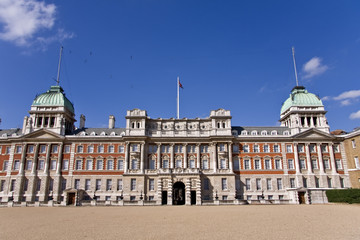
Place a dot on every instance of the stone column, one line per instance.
(158, 157)
(57, 179)
(47, 159)
(308, 160)
(34, 166)
(23, 157)
(59, 164)
(126, 163)
(198, 156)
(214, 155)
(172, 155)
(230, 157)
(296, 159)
(185, 155)
(332, 159)
(142, 157)
(321, 163)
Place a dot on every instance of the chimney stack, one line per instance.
(82, 121)
(111, 122)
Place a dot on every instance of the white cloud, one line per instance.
(345, 102)
(348, 94)
(21, 20)
(355, 115)
(326, 98)
(313, 68)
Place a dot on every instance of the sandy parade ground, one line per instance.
(182, 222)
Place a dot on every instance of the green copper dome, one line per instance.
(301, 97)
(54, 97)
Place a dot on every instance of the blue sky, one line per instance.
(125, 54)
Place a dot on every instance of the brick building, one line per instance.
(170, 161)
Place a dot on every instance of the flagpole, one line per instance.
(178, 98)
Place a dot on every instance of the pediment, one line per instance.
(314, 134)
(43, 134)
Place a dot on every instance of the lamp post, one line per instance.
(141, 196)
(216, 195)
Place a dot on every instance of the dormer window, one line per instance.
(254, 133)
(264, 133)
(244, 133)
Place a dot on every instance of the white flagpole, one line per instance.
(178, 98)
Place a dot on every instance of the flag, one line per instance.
(180, 85)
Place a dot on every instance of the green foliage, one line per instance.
(343, 195)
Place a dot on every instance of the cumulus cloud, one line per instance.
(22, 20)
(326, 98)
(348, 94)
(355, 115)
(345, 102)
(313, 68)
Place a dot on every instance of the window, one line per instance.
(221, 147)
(312, 148)
(65, 165)
(248, 197)
(302, 164)
(353, 143)
(63, 184)
(78, 165)
(165, 163)
(89, 164)
(38, 185)
(178, 163)
(281, 197)
(87, 184)
(266, 148)
(288, 148)
(12, 185)
(110, 164)
(305, 182)
(267, 164)
(317, 182)
(276, 148)
(247, 184)
(246, 148)
(55, 149)
(324, 148)
(329, 181)
(235, 148)
(192, 163)
(165, 148)
(108, 184)
(258, 184)
(256, 148)
(290, 163)
(67, 149)
(206, 184)
(42, 148)
(268, 184)
(41, 164)
(133, 184)
(53, 165)
(205, 164)
(342, 185)
(279, 183)
(222, 163)
(77, 184)
(119, 184)
(80, 149)
(247, 164)
(122, 149)
(30, 149)
(111, 149)
(7, 151)
(2, 185)
(98, 184)
(107, 198)
(6, 165)
(326, 164)
(204, 148)
(134, 163)
(18, 149)
(224, 184)
(132, 198)
(257, 164)
(292, 183)
(151, 184)
(152, 164)
(314, 164)
(300, 148)
(120, 164)
(100, 148)
(28, 165)
(16, 165)
(99, 165)
(26, 184)
(278, 164)
(237, 184)
(236, 164)
(356, 159)
(336, 148)
(191, 149)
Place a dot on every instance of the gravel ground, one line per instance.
(182, 222)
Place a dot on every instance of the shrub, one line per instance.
(343, 195)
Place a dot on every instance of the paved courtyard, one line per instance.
(182, 222)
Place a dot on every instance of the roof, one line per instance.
(55, 96)
(301, 97)
(100, 131)
(259, 130)
(9, 132)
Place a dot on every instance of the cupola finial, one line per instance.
(58, 74)
(296, 76)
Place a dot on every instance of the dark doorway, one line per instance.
(301, 197)
(179, 193)
(193, 197)
(71, 199)
(164, 198)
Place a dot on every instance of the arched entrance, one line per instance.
(179, 193)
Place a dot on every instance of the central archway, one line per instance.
(179, 193)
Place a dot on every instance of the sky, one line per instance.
(126, 54)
